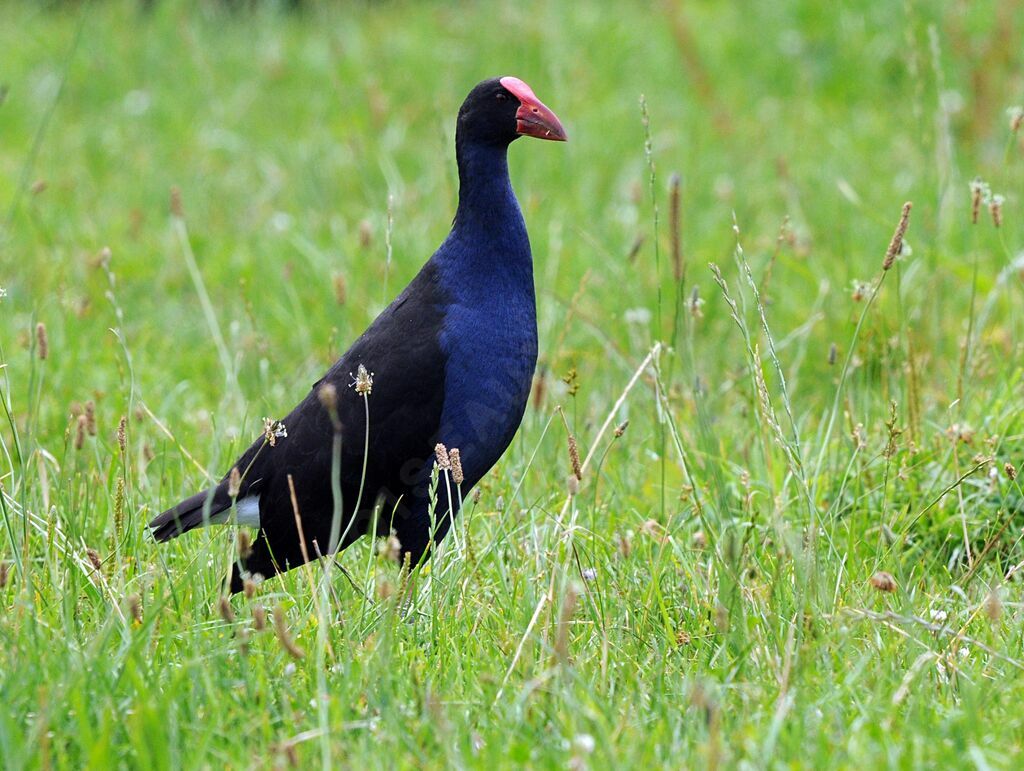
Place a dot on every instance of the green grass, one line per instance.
(728, 536)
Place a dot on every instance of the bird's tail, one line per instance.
(192, 512)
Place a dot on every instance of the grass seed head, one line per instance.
(234, 482)
(225, 610)
(456, 459)
(244, 543)
(896, 244)
(833, 353)
(80, 425)
(177, 210)
(574, 458)
(273, 430)
(283, 637)
(340, 288)
(135, 608)
(1011, 471)
(979, 193)
(94, 559)
(572, 484)
(884, 582)
(362, 381)
(90, 417)
(259, 617)
(42, 341)
(1016, 115)
(122, 433)
(5, 573)
(444, 462)
(621, 429)
(993, 604)
(995, 208)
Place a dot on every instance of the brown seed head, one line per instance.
(363, 381)
(896, 244)
(995, 207)
(226, 612)
(244, 543)
(621, 429)
(441, 454)
(234, 482)
(135, 608)
(340, 288)
(273, 430)
(993, 604)
(42, 341)
(281, 629)
(979, 190)
(1016, 118)
(38, 186)
(574, 458)
(259, 617)
(1011, 471)
(5, 568)
(572, 484)
(90, 417)
(176, 208)
(94, 559)
(122, 433)
(833, 352)
(456, 458)
(80, 432)
(884, 582)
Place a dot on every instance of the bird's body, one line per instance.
(452, 359)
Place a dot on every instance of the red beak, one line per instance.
(533, 118)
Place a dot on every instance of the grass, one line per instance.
(799, 419)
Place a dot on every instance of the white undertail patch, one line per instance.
(247, 512)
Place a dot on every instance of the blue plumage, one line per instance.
(452, 359)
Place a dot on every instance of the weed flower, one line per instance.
(42, 341)
(859, 290)
(589, 574)
(456, 458)
(884, 582)
(362, 381)
(274, 430)
(896, 244)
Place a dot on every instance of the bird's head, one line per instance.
(499, 110)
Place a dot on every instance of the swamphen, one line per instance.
(449, 361)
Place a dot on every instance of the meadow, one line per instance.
(798, 534)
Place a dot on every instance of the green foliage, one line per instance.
(805, 420)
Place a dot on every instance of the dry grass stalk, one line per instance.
(281, 630)
(896, 244)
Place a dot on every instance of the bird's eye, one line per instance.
(501, 96)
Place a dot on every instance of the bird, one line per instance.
(448, 364)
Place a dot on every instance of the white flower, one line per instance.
(363, 381)
(589, 574)
(273, 430)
